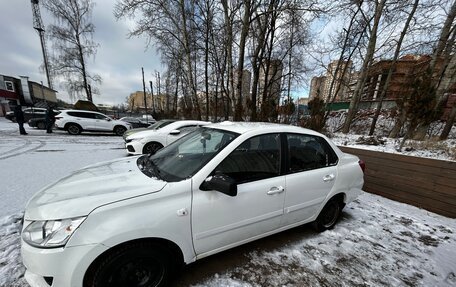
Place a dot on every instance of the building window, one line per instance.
(9, 86)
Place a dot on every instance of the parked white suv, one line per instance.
(76, 121)
(132, 221)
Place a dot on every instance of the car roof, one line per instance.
(85, 111)
(178, 124)
(244, 127)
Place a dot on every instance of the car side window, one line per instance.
(255, 159)
(100, 117)
(87, 115)
(187, 129)
(306, 152)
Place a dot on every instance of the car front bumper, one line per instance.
(61, 267)
(134, 147)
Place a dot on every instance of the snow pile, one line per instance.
(11, 268)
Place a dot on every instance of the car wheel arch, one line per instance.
(172, 247)
(152, 143)
(117, 127)
(71, 123)
(339, 199)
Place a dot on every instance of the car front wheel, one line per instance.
(133, 265)
(328, 216)
(74, 129)
(152, 148)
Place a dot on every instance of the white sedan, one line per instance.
(150, 141)
(133, 221)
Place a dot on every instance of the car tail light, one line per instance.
(362, 164)
(58, 118)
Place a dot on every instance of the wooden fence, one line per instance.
(422, 182)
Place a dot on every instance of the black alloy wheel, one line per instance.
(137, 265)
(74, 129)
(328, 216)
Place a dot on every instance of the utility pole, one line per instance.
(158, 87)
(39, 27)
(144, 90)
(152, 93)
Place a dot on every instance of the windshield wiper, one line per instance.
(148, 167)
(154, 167)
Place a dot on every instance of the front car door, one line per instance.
(103, 123)
(311, 174)
(220, 221)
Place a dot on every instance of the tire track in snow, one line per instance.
(23, 148)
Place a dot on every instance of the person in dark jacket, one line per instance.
(19, 115)
(50, 119)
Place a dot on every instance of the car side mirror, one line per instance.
(221, 183)
(108, 119)
(175, 132)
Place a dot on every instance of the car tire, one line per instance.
(73, 129)
(329, 215)
(152, 148)
(119, 130)
(41, 125)
(138, 264)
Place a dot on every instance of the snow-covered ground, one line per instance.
(378, 242)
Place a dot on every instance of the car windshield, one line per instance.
(160, 124)
(183, 158)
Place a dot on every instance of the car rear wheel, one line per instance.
(133, 265)
(119, 130)
(151, 148)
(41, 125)
(328, 216)
(74, 129)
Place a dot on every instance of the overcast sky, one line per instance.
(118, 60)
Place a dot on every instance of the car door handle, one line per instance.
(329, 177)
(275, 190)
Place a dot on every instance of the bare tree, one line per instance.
(440, 76)
(379, 5)
(72, 41)
(392, 66)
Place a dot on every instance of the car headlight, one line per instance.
(51, 233)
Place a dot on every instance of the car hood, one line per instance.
(118, 122)
(143, 134)
(84, 190)
(133, 131)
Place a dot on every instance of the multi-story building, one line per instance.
(407, 68)
(270, 82)
(246, 85)
(153, 103)
(317, 87)
(335, 84)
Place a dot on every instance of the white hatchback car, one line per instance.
(150, 141)
(132, 221)
(76, 121)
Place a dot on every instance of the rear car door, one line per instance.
(312, 171)
(220, 221)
